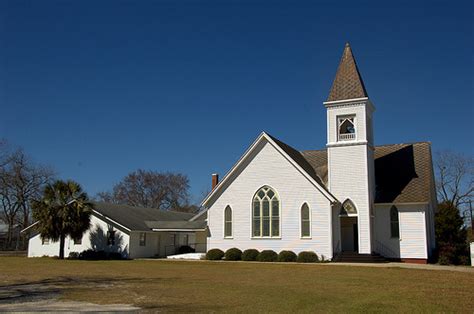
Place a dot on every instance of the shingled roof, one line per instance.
(403, 172)
(140, 218)
(348, 83)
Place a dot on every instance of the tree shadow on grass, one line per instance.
(51, 289)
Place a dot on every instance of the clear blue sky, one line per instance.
(100, 88)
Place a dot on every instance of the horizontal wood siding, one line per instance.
(94, 238)
(348, 179)
(413, 233)
(412, 242)
(269, 167)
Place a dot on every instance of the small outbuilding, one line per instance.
(134, 232)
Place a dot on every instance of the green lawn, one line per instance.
(241, 286)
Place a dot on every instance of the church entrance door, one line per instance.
(349, 234)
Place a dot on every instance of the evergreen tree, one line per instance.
(451, 235)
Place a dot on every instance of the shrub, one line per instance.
(214, 255)
(267, 256)
(73, 255)
(447, 255)
(307, 257)
(186, 249)
(250, 255)
(444, 260)
(233, 254)
(287, 256)
(93, 255)
(99, 255)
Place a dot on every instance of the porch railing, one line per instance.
(347, 137)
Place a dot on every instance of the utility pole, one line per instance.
(472, 218)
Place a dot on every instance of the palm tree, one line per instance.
(64, 210)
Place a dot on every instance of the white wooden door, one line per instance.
(412, 234)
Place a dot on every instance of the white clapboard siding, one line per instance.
(269, 167)
(412, 233)
(37, 249)
(348, 169)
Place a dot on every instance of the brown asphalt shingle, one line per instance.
(403, 172)
(348, 83)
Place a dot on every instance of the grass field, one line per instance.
(239, 286)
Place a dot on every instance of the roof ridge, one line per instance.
(382, 145)
(407, 143)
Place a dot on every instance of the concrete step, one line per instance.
(354, 257)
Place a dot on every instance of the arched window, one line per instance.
(305, 221)
(348, 208)
(346, 128)
(394, 224)
(228, 222)
(266, 213)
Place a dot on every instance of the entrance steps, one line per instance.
(354, 257)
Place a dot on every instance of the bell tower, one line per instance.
(351, 151)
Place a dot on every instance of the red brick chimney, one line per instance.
(215, 180)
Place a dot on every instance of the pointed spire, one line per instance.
(348, 83)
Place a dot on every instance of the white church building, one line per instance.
(351, 197)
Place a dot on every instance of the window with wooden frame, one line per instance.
(142, 239)
(266, 214)
(228, 222)
(394, 223)
(305, 221)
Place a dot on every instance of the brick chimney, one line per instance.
(215, 180)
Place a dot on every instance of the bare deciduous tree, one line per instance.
(455, 178)
(162, 190)
(21, 181)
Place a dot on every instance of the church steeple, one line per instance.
(350, 149)
(348, 83)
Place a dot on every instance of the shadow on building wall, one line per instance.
(110, 241)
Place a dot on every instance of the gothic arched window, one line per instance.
(346, 128)
(228, 222)
(305, 221)
(266, 213)
(348, 208)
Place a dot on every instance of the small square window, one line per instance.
(142, 239)
(78, 241)
(45, 241)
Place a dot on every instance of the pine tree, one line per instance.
(451, 235)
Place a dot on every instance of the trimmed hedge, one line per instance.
(267, 256)
(307, 257)
(250, 255)
(233, 254)
(214, 255)
(287, 256)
